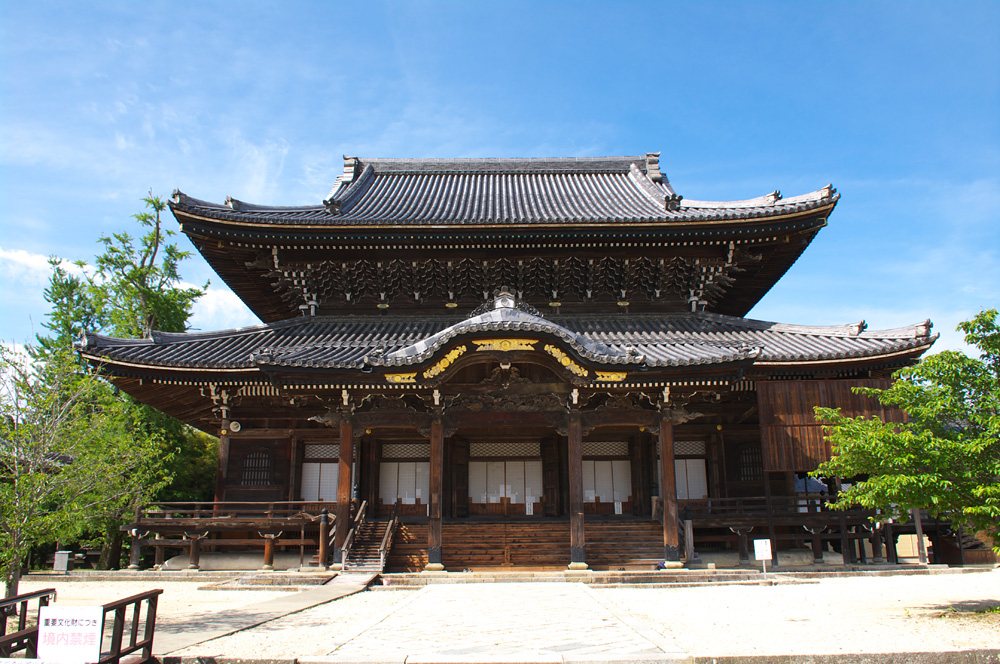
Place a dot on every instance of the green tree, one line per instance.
(132, 288)
(69, 449)
(946, 457)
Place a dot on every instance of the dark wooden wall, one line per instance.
(276, 488)
(791, 438)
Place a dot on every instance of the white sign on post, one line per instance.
(762, 549)
(762, 552)
(70, 634)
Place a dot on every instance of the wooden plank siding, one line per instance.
(791, 438)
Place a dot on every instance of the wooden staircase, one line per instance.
(364, 555)
(528, 545)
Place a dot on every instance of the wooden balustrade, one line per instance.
(25, 637)
(119, 647)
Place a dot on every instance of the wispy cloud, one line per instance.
(22, 268)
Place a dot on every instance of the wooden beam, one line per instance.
(272, 432)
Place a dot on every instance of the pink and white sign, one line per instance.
(70, 634)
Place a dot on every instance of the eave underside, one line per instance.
(724, 271)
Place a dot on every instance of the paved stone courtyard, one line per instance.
(529, 622)
(946, 616)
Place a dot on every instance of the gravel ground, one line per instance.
(934, 613)
(844, 615)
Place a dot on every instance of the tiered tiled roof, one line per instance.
(637, 340)
(511, 192)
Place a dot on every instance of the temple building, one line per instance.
(521, 362)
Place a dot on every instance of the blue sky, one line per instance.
(896, 103)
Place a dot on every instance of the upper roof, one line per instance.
(511, 192)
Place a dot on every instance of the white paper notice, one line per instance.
(762, 549)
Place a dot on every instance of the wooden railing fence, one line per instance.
(25, 637)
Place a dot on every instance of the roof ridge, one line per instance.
(504, 164)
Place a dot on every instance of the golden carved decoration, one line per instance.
(402, 377)
(610, 376)
(565, 360)
(506, 344)
(445, 362)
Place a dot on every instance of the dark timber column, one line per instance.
(668, 490)
(436, 489)
(343, 522)
(223, 468)
(577, 540)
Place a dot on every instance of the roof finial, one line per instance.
(653, 167)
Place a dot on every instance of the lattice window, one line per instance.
(606, 448)
(689, 448)
(257, 468)
(322, 451)
(505, 450)
(751, 464)
(406, 451)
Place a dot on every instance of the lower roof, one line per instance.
(638, 341)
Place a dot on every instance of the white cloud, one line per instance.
(220, 309)
(20, 267)
(257, 167)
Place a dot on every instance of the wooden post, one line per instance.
(846, 548)
(689, 555)
(668, 491)
(268, 551)
(577, 537)
(159, 553)
(770, 519)
(222, 469)
(876, 541)
(135, 552)
(434, 541)
(890, 544)
(194, 553)
(744, 545)
(324, 538)
(919, 525)
(344, 487)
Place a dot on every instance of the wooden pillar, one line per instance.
(158, 554)
(343, 523)
(743, 543)
(891, 554)
(876, 541)
(324, 538)
(577, 537)
(223, 468)
(668, 492)
(919, 526)
(268, 551)
(135, 553)
(770, 519)
(194, 553)
(434, 542)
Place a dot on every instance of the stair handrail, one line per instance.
(390, 531)
(359, 520)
